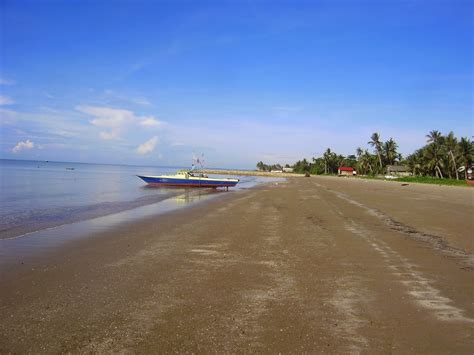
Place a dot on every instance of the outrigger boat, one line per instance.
(189, 179)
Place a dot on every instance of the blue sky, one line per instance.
(151, 82)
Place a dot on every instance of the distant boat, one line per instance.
(188, 179)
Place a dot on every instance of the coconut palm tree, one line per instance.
(451, 143)
(390, 151)
(340, 159)
(466, 151)
(376, 143)
(433, 152)
(317, 167)
(365, 162)
(327, 157)
(415, 161)
(434, 137)
(433, 160)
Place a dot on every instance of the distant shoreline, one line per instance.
(249, 173)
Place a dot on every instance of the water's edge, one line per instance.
(22, 246)
(47, 219)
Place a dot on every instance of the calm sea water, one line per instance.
(36, 195)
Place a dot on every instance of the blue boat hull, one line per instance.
(156, 181)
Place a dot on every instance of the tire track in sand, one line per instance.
(348, 296)
(280, 284)
(419, 287)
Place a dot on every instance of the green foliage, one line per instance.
(439, 160)
(301, 166)
(442, 156)
(431, 180)
(264, 167)
(419, 180)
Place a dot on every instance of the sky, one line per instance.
(151, 82)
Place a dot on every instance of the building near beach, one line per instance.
(346, 171)
(398, 170)
(287, 170)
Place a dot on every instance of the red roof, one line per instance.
(345, 168)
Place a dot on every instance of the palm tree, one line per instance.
(390, 150)
(415, 161)
(433, 151)
(340, 160)
(433, 160)
(327, 157)
(451, 143)
(377, 144)
(317, 167)
(466, 151)
(366, 162)
(434, 137)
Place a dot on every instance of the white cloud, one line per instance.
(111, 95)
(141, 101)
(116, 120)
(150, 122)
(107, 117)
(8, 116)
(148, 146)
(113, 134)
(4, 81)
(5, 100)
(48, 123)
(22, 146)
(288, 109)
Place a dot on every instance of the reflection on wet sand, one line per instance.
(193, 195)
(27, 244)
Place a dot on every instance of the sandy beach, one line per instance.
(316, 264)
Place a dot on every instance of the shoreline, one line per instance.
(35, 219)
(249, 173)
(58, 237)
(85, 213)
(285, 267)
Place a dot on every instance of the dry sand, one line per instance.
(312, 265)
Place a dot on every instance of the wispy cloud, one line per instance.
(286, 111)
(23, 146)
(106, 116)
(115, 121)
(287, 108)
(5, 100)
(8, 116)
(141, 101)
(4, 81)
(148, 146)
(151, 122)
(113, 134)
(58, 123)
(120, 98)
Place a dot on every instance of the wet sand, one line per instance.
(312, 265)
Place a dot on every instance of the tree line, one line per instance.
(443, 156)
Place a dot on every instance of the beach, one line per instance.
(319, 264)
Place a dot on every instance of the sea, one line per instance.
(39, 198)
